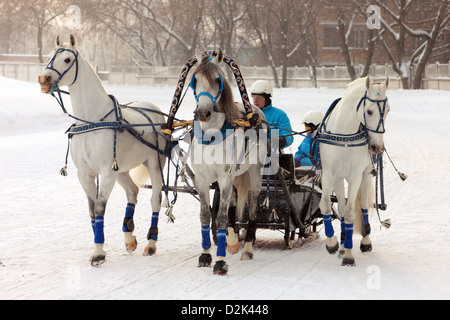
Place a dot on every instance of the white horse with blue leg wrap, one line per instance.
(108, 140)
(349, 135)
(239, 178)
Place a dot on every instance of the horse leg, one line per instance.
(205, 258)
(339, 189)
(226, 191)
(90, 189)
(106, 185)
(349, 218)
(332, 244)
(233, 238)
(255, 188)
(366, 202)
(157, 183)
(131, 191)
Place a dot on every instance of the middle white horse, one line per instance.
(216, 156)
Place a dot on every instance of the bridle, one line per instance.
(214, 100)
(381, 104)
(61, 75)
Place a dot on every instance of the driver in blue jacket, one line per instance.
(262, 92)
(303, 156)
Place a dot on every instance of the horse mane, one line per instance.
(226, 104)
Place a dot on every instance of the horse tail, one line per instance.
(242, 185)
(140, 175)
(358, 225)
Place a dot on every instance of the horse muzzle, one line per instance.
(202, 115)
(375, 149)
(46, 83)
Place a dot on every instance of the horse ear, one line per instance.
(220, 56)
(72, 40)
(57, 41)
(368, 82)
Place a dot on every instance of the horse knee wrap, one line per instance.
(365, 214)
(128, 223)
(329, 231)
(153, 232)
(221, 242)
(99, 237)
(206, 239)
(348, 242)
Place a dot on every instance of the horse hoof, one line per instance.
(366, 247)
(204, 260)
(332, 249)
(220, 268)
(98, 260)
(131, 247)
(348, 262)
(149, 251)
(233, 248)
(247, 256)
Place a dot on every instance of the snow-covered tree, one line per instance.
(408, 22)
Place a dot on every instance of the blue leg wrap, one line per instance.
(221, 242)
(99, 236)
(329, 231)
(206, 239)
(129, 213)
(93, 226)
(365, 214)
(348, 243)
(154, 226)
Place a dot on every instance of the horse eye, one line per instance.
(369, 112)
(67, 60)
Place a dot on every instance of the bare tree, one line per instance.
(281, 28)
(40, 13)
(399, 27)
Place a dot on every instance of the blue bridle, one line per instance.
(61, 75)
(381, 104)
(193, 86)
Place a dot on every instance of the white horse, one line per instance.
(216, 156)
(350, 134)
(103, 147)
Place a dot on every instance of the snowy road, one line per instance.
(46, 238)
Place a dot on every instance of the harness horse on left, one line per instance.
(107, 155)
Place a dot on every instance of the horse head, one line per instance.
(60, 71)
(212, 91)
(375, 110)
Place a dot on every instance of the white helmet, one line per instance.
(262, 87)
(315, 117)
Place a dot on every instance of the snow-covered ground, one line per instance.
(46, 237)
